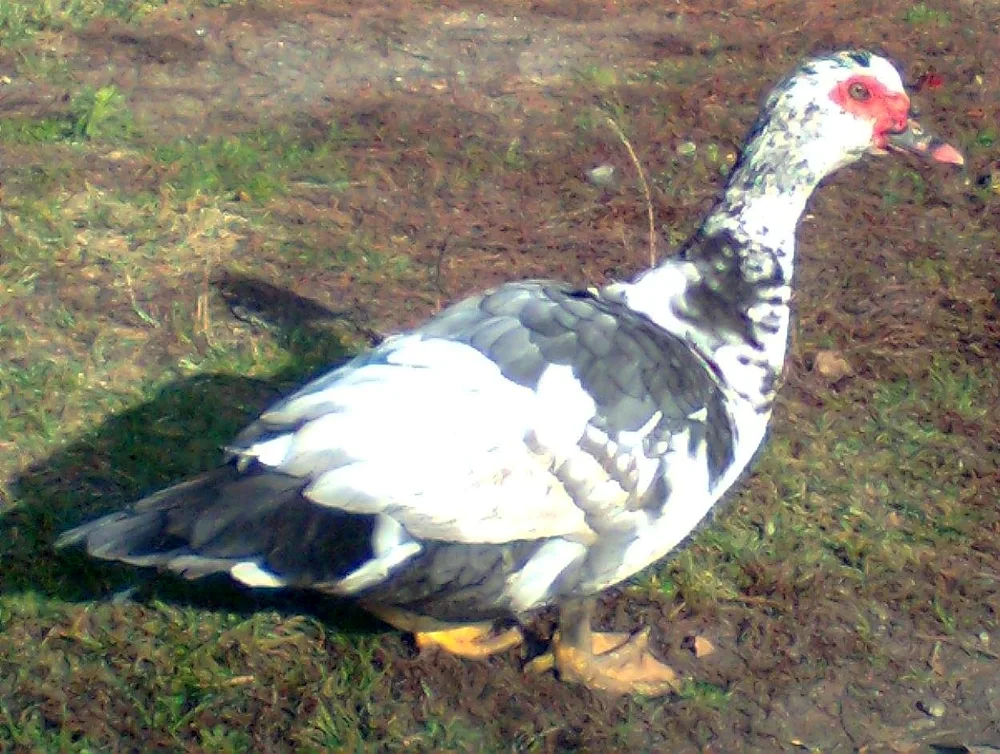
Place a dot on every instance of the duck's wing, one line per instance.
(532, 413)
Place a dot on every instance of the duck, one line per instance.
(531, 446)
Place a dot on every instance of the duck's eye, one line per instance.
(859, 92)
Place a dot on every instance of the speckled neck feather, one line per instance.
(734, 305)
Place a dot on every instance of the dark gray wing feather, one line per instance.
(630, 366)
(210, 523)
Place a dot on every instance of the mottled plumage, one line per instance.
(537, 443)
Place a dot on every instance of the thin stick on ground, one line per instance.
(966, 646)
(645, 187)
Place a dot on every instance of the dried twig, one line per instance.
(645, 187)
(442, 250)
(139, 311)
(965, 646)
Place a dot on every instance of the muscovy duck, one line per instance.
(538, 443)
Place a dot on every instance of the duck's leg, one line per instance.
(474, 641)
(613, 662)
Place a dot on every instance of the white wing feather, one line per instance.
(431, 433)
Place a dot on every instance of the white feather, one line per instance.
(529, 587)
(271, 452)
(376, 570)
(691, 494)
(251, 574)
(434, 435)
(564, 408)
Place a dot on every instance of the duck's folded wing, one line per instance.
(530, 414)
(431, 433)
(518, 415)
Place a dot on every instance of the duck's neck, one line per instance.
(728, 292)
(766, 193)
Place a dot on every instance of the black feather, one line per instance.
(214, 521)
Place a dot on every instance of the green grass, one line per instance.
(706, 694)
(599, 77)
(93, 114)
(924, 14)
(20, 20)
(113, 349)
(253, 166)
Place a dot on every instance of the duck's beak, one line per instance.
(916, 140)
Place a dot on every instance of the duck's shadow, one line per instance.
(178, 433)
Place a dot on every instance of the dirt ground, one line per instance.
(463, 153)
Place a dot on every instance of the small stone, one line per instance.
(832, 365)
(984, 638)
(602, 175)
(922, 725)
(932, 707)
(703, 647)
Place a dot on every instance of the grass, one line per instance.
(23, 20)
(916, 472)
(251, 167)
(93, 114)
(126, 252)
(922, 14)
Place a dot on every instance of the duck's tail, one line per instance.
(254, 524)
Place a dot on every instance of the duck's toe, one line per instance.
(474, 641)
(613, 665)
(611, 662)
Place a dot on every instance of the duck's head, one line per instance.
(831, 111)
(834, 109)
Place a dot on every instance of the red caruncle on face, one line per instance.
(867, 97)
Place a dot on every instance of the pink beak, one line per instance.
(915, 140)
